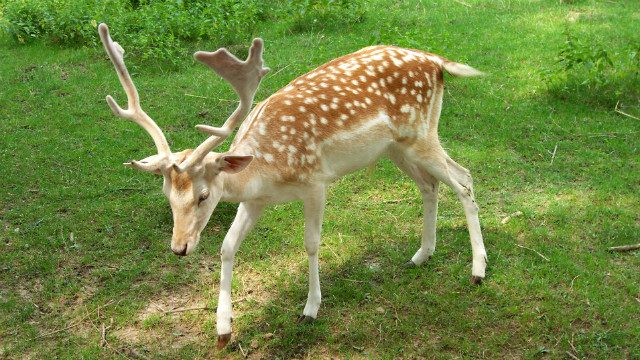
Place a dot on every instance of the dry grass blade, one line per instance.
(74, 324)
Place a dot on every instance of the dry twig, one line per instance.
(572, 356)
(194, 308)
(553, 156)
(395, 201)
(524, 247)
(625, 248)
(624, 113)
(244, 353)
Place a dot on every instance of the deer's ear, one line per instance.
(232, 163)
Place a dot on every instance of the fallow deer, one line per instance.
(340, 117)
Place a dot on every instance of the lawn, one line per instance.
(85, 265)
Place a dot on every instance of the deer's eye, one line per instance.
(203, 197)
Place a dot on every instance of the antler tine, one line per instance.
(134, 112)
(244, 77)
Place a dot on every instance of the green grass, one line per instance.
(85, 241)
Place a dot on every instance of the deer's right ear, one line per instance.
(232, 163)
(153, 164)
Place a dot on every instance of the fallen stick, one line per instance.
(572, 356)
(625, 248)
(187, 309)
(553, 156)
(524, 247)
(395, 201)
(624, 113)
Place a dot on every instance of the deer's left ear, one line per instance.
(232, 163)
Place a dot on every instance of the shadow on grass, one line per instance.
(373, 306)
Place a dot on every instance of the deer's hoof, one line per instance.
(305, 319)
(223, 340)
(476, 280)
(409, 264)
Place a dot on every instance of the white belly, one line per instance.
(354, 148)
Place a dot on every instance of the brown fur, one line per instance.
(342, 94)
(181, 181)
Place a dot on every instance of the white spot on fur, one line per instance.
(406, 108)
(392, 99)
(324, 107)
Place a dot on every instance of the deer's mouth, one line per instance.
(184, 248)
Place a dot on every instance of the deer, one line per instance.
(380, 101)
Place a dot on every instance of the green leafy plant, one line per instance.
(311, 15)
(587, 70)
(158, 30)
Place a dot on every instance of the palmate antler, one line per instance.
(244, 77)
(134, 112)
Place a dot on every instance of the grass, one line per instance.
(85, 241)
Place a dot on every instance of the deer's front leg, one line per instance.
(313, 212)
(246, 218)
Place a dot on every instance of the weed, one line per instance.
(587, 70)
(314, 15)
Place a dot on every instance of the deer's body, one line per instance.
(340, 117)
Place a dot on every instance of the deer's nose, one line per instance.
(180, 252)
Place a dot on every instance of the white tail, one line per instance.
(457, 69)
(342, 116)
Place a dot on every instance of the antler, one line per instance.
(244, 77)
(133, 112)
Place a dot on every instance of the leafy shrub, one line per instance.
(586, 70)
(324, 14)
(149, 29)
(164, 29)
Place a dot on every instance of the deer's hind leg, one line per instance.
(432, 160)
(428, 186)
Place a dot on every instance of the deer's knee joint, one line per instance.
(311, 247)
(227, 252)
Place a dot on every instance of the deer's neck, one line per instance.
(242, 186)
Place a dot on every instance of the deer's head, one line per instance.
(192, 178)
